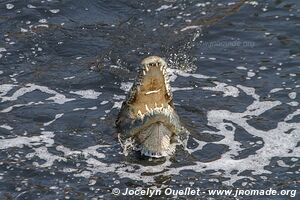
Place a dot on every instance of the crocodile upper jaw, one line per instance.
(151, 89)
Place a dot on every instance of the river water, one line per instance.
(66, 67)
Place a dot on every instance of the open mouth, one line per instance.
(151, 90)
(151, 118)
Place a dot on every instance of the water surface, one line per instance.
(66, 67)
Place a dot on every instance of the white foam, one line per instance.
(55, 118)
(292, 115)
(88, 152)
(54, 11)
(164, 7)
(42, 26)
(5, 126)
(91, 108)
(43, 21)
(281, 163)
(2, 49)
(21, 141)
(263, 68)
(87, 94)
(174, 73)
(31, 6)
(43, 153)
(116, 66)
(118, 97)
(180, 89)
(9, 6)
(294, 159)
(69, 170)
(132, 171)
(275, 143)
(200, 4)
(30, 87)
(5, 88)
(241, 68)
(272, 140)
(104, 102)
(46, 138)
(77, 109)
(126, 86)
(276, 90)
(67, 152)
(24, 30)
(253, 3)
(293, 103)
(293, 95)
(118, 104)
(223, 87)
(249, 91)
(190, 27)
(10, 108)
(68, 78)
(250, 74)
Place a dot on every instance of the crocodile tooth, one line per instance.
(161, 68)
(146, 67)
(147, 108)
(140, 113)
(144, 73)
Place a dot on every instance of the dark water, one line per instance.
(65, 68)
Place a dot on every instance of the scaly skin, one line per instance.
(148, 115)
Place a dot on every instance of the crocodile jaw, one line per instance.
(152, 88)
(155, 140)
(148, 114)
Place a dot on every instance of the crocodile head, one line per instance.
(148, 114)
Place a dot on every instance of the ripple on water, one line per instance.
(57, 131)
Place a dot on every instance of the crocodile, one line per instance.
(148, 114)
